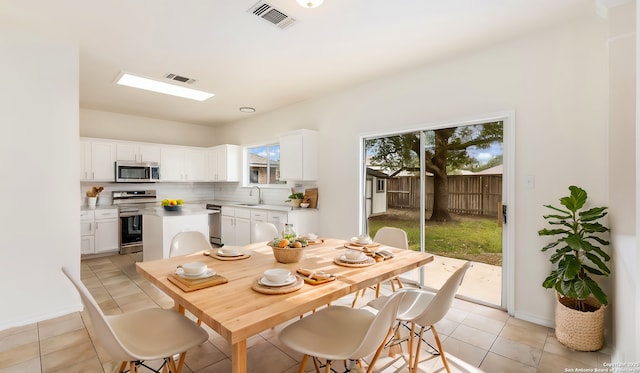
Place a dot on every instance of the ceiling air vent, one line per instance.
(179, 78)
(267, 12)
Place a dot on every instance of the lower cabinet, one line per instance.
(235, 226)
(236, 222)
(99, 231)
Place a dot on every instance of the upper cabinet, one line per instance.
(299, 155)
(137, 152)
(97, 159)
(224, 163)
(183, 164)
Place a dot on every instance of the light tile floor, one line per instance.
(476, 338)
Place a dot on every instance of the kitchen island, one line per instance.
(159, 226)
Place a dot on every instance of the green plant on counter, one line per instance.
(296, 196)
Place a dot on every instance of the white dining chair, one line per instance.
(389, 236)
(145, 335)
(188, 242)
(342, 333)
(424, 309)
(262, 231)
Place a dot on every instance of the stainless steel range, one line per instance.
(130, 205)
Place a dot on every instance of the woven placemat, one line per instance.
(369, 262)
(277, 290)
(214, 254)
(188, 285)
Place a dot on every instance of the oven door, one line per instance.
(130, 233)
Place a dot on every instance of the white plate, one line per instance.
(309, 236)
(236, 253)
(208, 273)
(347, 260)
(290, 280)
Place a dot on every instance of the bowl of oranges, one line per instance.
(288, 251)
(172, 204)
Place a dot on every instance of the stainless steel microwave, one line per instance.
(137, 172)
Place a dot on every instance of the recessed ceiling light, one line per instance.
(246, 109)
(310, 3)
(160, 87)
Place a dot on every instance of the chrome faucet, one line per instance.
(259, 193)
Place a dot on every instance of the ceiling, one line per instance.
(248, 61)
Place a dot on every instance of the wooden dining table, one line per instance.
(236, 311)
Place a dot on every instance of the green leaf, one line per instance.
(593, 214)
(602, 254)
(599, 239)
(594, 227)
(596, 291)
(579, 197)
(596, 260)
(559, 254)
(566, 215)
(551, 232)
(567, 290)
(574, 241)
(551, 280)
(551, 245)
(592, 270)
(581, 289)
(572, 267)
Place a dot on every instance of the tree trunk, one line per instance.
(440, 178)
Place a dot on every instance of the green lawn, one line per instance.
(467, 237)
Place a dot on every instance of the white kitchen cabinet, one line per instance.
(235, 226)
(299, 155)
(183, 164)
(136, 152)
(87, 245)
(97, 159)
(99, 231)
(224, 163)
(106, 230)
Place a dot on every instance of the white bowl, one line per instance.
(304, 205)
(276, 275)
(354, 254)
(194, 268)
(229, 250)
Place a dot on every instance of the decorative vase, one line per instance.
(578, 330)
(91, 202)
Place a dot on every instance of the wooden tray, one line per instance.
(313, 281)
(357, 246)
(277, 290)
(369, 262)
(187, 285)
(214, 254)
(317, 241)
(311, 195)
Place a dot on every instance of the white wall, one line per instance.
(107, 125)
(622, 179)
(555, 81)
(39, 173)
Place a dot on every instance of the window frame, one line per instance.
(268, 166)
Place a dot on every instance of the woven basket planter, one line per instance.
(287, 254)
(581, 331)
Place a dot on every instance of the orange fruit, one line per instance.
(297, 244)
(283, 243)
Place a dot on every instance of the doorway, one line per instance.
(446, 186)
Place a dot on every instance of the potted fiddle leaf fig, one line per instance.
(579, 257)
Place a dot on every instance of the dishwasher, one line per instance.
(215, 229)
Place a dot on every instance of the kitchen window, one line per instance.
(264, 164)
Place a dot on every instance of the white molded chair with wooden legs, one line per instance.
(145, 335)
(342, 333)
(425, 309)
(389, 236)
(262, 231)
(188, 242)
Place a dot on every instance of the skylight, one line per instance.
(134, 81)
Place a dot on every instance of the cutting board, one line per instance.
(312, 195)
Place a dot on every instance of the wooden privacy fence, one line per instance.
(468, 194)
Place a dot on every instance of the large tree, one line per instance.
(446, 150)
